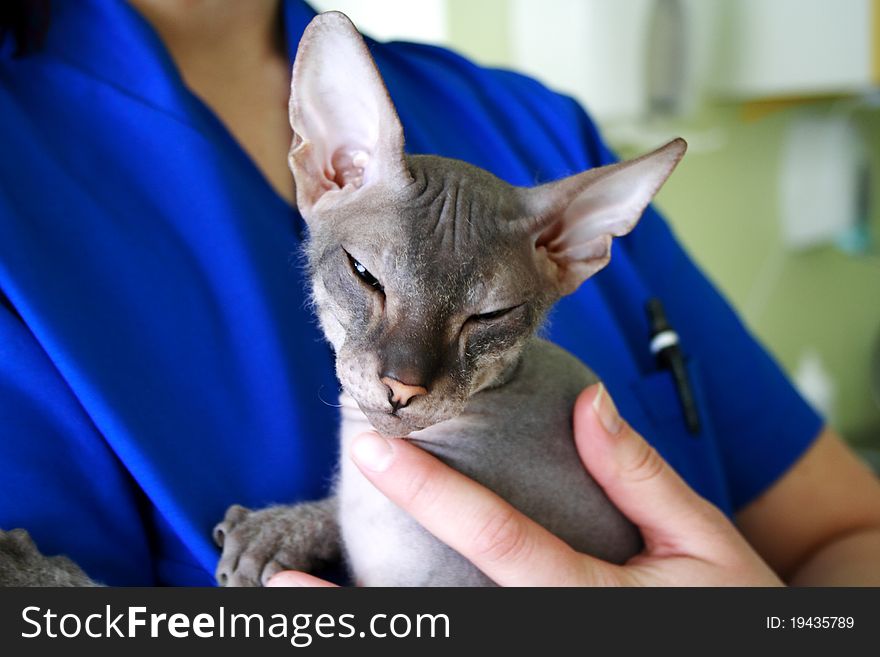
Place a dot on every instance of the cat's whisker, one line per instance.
(325, 402)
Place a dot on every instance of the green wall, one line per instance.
(479, 28)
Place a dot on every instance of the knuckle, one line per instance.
(502, 538)
(607, 576)
(712, 519)
(644, 465)
(422, 490)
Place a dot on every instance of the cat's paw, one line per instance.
(259, 544)
(22, 564)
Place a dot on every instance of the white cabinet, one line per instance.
(783, 48)
(605, 52)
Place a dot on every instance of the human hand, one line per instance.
(688, 541)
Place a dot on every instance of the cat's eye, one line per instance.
(495, 314)
(362, 273)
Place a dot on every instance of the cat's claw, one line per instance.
(258, 544)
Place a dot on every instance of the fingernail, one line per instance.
(372, 451)
(607, 411)
(285, 579)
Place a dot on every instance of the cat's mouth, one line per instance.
(397, 424)
(392, 424)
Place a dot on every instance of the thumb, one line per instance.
(636, 478)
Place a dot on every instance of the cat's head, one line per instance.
(429, 275)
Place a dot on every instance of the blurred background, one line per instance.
(778, 199)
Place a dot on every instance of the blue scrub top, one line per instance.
(158, 361)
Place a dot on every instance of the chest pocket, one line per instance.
(694, 456)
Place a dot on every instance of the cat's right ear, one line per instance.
(572, 221)
(346, 132)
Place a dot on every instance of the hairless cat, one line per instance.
(430, 278)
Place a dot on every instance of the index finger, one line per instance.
(293, 578)
(510, 548)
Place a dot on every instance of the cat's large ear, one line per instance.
(346, 132)
(574, 219)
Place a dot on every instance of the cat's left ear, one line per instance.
(346, 132)
(574, 219)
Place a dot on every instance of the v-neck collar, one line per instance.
(109, 40)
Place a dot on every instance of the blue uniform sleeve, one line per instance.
(60, 480)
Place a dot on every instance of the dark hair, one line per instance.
(25, 22)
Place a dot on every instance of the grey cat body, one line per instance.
(515, 439)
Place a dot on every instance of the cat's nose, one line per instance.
(399, 393)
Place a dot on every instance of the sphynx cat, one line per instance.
(430, 278)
